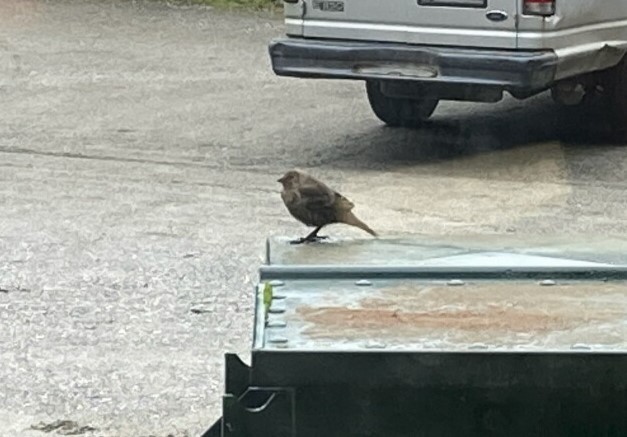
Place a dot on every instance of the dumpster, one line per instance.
(436, 337)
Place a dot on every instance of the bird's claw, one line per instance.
(309, 240)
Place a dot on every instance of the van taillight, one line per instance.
(539, 7)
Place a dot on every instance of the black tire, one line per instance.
(615, 88)
(399, 112)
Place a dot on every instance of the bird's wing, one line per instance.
(343, 203)
(315, 197)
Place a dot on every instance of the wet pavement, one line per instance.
(139, 150)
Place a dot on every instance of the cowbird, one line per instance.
(316, 205)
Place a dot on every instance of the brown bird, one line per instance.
(314, 204)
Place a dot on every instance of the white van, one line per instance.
(414, 53)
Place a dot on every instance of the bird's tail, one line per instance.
(350, 219)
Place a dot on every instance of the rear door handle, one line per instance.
(497, 15)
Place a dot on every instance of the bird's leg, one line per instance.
(313, 236)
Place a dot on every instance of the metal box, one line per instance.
(433, 338)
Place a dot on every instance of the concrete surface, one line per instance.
(139, 148)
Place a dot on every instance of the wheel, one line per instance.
(399, 112)
(615, 88)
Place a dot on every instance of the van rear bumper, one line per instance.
(515, 70)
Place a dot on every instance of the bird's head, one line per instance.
(290, 178)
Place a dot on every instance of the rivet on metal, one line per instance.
(363, 283)
(276, 324)
(547, 282)
(278, 340)
(455, 282)
(580, 346)
(277, 283)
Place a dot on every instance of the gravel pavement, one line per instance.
(139, 150)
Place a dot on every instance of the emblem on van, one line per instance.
(329, 5)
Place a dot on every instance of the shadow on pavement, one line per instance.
(496, 128)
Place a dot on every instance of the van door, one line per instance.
(473, 23)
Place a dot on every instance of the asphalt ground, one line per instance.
(139, 150)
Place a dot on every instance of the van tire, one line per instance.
(398, 112)
(615, 88)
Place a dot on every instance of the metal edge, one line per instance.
(215, 430)
(237, 375)
(621, 352)
(441, 272)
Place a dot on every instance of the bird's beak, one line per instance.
(281, 179)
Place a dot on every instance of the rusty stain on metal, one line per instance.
(495, 318)
(507, 313)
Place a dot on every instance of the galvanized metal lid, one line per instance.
(366, 295)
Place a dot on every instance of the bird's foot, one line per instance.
(310, 239)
